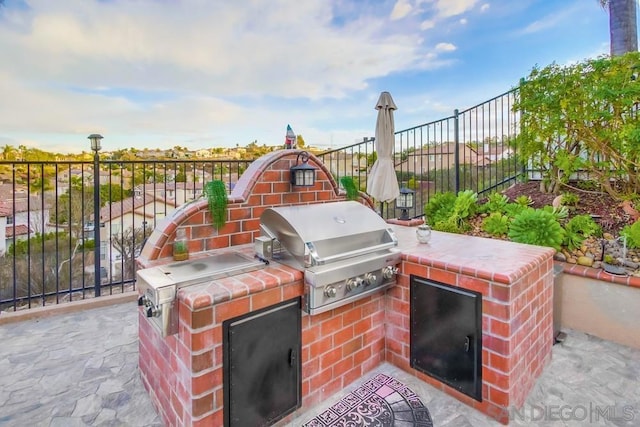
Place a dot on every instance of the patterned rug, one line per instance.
(382, 401)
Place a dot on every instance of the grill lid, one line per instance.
(321, 233)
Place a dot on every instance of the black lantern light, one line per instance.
(405, 201)
(303, 174)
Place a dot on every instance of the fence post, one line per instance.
(456, 140)
(95, 146)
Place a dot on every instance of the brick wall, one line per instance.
(183, 372)
(264, 184)
(517, 327)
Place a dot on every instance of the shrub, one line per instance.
(439, 208)
(523, 200)
(570, 199)
(496, 224)
(496, 202)
(536, 227)
(579, 228)
(447, 212)
(513, 209)
(632, 234)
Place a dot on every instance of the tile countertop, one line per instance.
(498, 260)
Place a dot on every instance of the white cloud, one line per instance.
(427, 24)
(485, 7)
(445, 47)
(448, 8)
(463, 21)
(401, 9)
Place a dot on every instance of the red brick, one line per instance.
(202, 362)
(206, 382)
(352, 346)
(330, 326)
(474, 284)
(202, 405)
(241, 239)
(272, 199)
(343, 335)
(322, 378)
(320, 347)
(231, 309)
(446, 277)
(266, 298)
(331, 357)
(499, 397)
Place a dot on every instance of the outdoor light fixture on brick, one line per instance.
(405, 201)
(303, 174)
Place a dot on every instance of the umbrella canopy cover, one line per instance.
(382, 183)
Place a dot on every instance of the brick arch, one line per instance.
(264, 184)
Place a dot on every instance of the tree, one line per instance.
(583, 118)
(622, 25)
(129, 244)
(300, 141)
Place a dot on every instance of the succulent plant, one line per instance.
(632, 234)
(496, 224)
(536, 227)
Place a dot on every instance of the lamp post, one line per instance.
(405, 201)
(95, 146)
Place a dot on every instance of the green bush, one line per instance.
(536, 227)
(447, 212)
(523, 200)
(570, 199)
(439, 208)
(632, 234)
(579, 228)
(496, 202)
(496, 224)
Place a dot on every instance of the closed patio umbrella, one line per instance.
(382, 183)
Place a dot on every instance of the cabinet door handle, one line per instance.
(292, 357)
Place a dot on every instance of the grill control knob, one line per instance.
(353, 283)
(330, 291)
(389, 271)
(369, 279)
(153, 311)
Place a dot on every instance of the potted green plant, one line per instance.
(216, 193)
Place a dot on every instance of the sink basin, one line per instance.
(210, 268)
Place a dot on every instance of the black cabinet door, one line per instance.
(446, 334)
(262, 368)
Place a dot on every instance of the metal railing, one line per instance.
(472, 149)
(48, 231)
(47, 208)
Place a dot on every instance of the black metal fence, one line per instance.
(472, 149)
(48, 231)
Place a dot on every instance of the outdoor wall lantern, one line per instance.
(405, 201)
(303, 174)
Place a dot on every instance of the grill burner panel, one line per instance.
(159, 285)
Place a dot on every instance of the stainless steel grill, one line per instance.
(346, 250)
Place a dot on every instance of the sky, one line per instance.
(215, 73)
